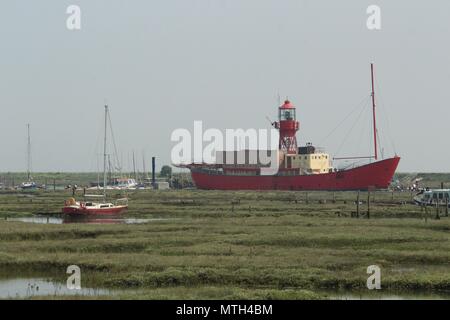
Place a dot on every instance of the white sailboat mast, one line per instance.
(104, 152)
(143, 165)
(28, 154)
(134, 168)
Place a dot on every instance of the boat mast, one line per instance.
(143, 166)
(374, 117)
(104, 153)
(28, 154)
(134, 168)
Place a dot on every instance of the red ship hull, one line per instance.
(377, 175)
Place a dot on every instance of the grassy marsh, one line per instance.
(233, 244)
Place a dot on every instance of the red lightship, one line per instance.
(300, 168)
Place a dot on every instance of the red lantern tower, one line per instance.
(288, 126)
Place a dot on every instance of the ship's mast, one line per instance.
(134, 168)
(375, 154)
(28, 154)
(143, 166)
(374, 117)
(104, 153)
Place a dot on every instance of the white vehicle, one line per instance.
(431, 197)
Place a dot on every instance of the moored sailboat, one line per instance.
(29, 184)
(73, 207)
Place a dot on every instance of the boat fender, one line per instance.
(70, 202)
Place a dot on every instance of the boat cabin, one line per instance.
(309, 160)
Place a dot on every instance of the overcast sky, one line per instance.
(161, 65)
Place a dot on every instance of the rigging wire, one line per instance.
(116, 155)
(352, 163)
(363, 101)
(380, 145)
(95, 152)
(363, 132)
(385, 115)
(348, 133)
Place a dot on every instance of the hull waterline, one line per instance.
(77, 211)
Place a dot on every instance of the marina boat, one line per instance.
(29, 184)
(116, 184)
(123, 183)
(299, 168)
(102, 207)
(86, 207)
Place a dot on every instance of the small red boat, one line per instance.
(73, 207)
(84, 208)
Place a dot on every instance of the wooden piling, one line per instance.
(368, 203)
(437, 217)
(357, 204)
(446, 206)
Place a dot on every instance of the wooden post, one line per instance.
(334, 197)
(392, 196)
(437, 210)
(54, 184)
(357, 205)
(446, 206)
(368, 203)
(426, 212)
(307, 201)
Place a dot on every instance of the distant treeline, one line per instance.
(79, 178)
